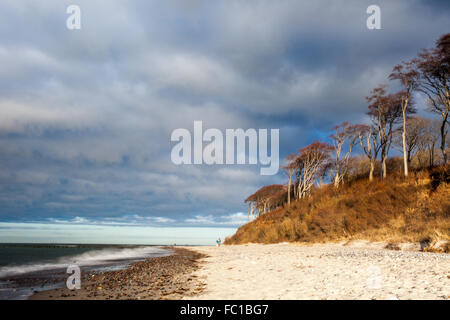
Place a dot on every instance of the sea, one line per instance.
(29, 268)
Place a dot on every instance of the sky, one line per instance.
(86, 115)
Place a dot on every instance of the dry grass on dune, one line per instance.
(394, 210)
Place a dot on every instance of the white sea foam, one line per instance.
(90, 258)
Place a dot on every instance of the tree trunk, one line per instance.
(295, 190)
(337, 177)
(289, 190)
(432, 156)
(405, 157)
(409, 158)
(443, 136)
(336, 181)
(372, 169)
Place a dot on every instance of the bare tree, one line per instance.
(414, 139)
(407, 75)
(434, 81)
(385, 111)
(310, 160)
(369, 142)
(344, 133)
(290, 168)
(265, 199)
(431, 138)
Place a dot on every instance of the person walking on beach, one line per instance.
(217, 242)
(220, 242)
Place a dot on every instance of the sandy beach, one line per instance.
(355, 270)
(358, 270)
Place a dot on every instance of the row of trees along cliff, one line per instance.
(422, 141)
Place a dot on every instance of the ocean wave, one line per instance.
(89, 258)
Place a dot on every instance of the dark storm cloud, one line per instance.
(86, 115)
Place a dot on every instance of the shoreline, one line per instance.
(47, 269)
(158, 278)
(288, 271)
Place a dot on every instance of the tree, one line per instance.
(290, 168)
(369, 142)
(431, 138)
(407, 76)
(345, 132)
(433, 80)
(413, 139)
(385, 110)
(266, 198)
(310, 161)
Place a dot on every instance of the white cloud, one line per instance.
(127, 220)
(235, 219)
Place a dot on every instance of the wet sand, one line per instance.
(168, 277)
